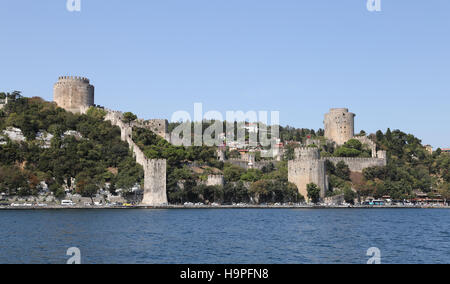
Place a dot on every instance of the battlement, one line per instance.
(338, 109)
(307, 153)
(73, 79)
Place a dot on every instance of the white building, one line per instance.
(15, 134)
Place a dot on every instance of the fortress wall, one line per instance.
(365, 140)
(303, 172)
(244, 164)
(154, 170)
(215, 180)
(358, 164)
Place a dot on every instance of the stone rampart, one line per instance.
(154, 170)
(358, 164)
(215, 180)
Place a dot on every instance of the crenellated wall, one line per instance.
(358, 164)
(303, 153)
(155, 193)
(245, 163)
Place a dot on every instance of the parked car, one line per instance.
(67, 203)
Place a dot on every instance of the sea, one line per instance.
(225, 236)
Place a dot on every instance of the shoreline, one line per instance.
(204, 207)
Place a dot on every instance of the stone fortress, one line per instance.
(76, 95)
(308, 167)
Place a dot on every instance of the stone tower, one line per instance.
(73, 94)
(339, 125)
(155, 183)
(158, 126)
(308, 168)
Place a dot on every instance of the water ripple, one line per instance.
(226, 236)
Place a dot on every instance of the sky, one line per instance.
(298, 57)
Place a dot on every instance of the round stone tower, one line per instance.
(339, 125)
(73, 94)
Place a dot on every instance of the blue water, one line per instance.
(226, 236)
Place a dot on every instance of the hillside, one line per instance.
(94, 157)
(62, 151)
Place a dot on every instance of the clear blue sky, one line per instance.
(300, 57)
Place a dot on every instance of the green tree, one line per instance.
(313, 192)
(232, 173)
(129, 117)
(97, 113)
(261, 191)
(349, 195)
(342, 170)
(251, 175)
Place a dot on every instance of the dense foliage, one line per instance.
(96, 158)
(410, 168)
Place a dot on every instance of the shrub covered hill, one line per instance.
(87, 151)
(84, 153)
